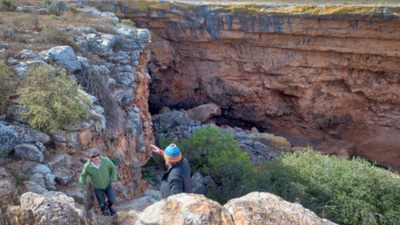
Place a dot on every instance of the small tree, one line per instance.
(217, 155)
(7, 5)
(51, 100)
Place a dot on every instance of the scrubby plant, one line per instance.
(46, 3)
(57, 7)
(212, 153)
(56, 36)
(7, 5)
(95, 84)
(7, 87)
(128, 22)
(51, 16)
(7, 34)
(344, 191)
(51, 99)
(72, 8)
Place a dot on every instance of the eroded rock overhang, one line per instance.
(327, 75)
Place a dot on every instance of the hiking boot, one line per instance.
(112, 211)
(105, 213)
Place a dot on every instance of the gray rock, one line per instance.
(209, 182)
(86, 30)
(41, 146)
(27, 54)
(15, 112)
(64, 177)
(38, 178)
(60, 162)
(63, 56)
(50, 181)
(196, 183)
(84, 62)
(102, 46)
(34, 187)
(27, 168)
(23, 67)
(29, 152)
(125, 78)
(50, 208)
(12, 135)
(259, 146)
(8, 187)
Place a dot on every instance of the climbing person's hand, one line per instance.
(157, 150)
(81, 190)
(113, 183)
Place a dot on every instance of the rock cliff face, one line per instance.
(323, 75)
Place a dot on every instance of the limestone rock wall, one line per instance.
(53, 161)
(324, 75)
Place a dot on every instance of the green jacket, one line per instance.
(100, 178)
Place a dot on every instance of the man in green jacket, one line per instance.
(103, 177)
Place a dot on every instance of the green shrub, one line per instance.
(72, 8)
(52, 16)
(57, 7)
(7, 5)
(46, 3)
(56, 36)
(7, 88)
(344, 191)
(217, 155)
(51, 101)
(128, 22)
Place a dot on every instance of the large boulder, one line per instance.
(265, 208)
(204, 112)
(51, 208)
(29, 152)
(12, 216)
(138, 204)
(12, 135)
(185, 209)
(197, 183)
(8, 187)
(63, 56)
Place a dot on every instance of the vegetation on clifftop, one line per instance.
(344, 191)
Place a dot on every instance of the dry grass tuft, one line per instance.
(95, 84)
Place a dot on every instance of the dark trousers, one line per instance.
(109, 192)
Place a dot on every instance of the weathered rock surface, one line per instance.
(51, 208)
(12, 135)
(185, 209)
(204, 112)
(12, 216)
(8, 187)
(29, 152)
(63, 56)
(264, 208)
(308, 73)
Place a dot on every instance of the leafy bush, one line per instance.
(56, 36)
(51, 101)
(46, 3)
(7, 88)
(217, 155)
(344, 191)
(7, 5)
(72, 8)
(128, 22)
(52, 16)
(57, 7)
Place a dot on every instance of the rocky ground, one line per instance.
(39, 171)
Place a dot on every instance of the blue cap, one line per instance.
(172, 153)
